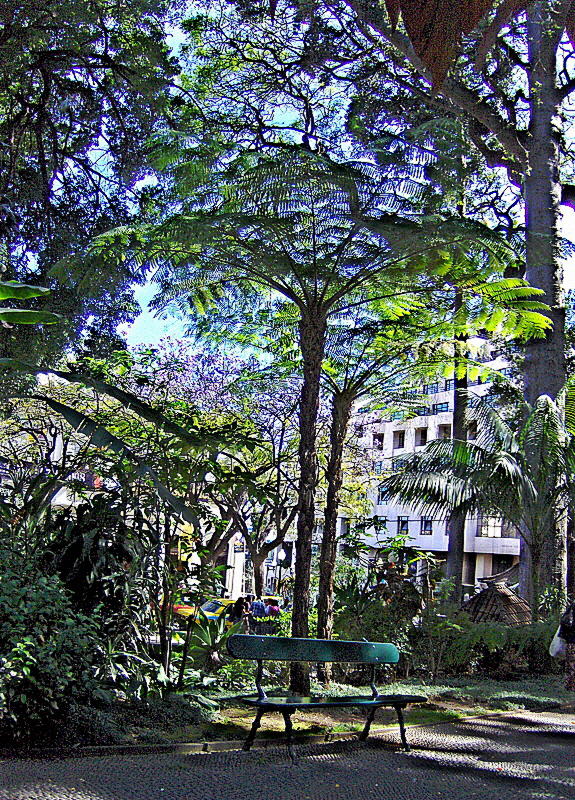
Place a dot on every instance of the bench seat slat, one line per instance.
(294, 702)
(285, 648)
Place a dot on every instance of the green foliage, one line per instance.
(49, 651)
(377, 622)
(208, 641)
(446, 641)
(82, 84)
(12, 290)
(150, 722)
(523, 474)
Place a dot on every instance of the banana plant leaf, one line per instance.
(101, 437)
(24, 316)
(200, 439)
(13, 290)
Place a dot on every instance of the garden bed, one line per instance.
(180, 720)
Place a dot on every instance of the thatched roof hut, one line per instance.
(498, 603)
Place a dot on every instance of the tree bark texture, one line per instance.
(312, 334)
(570, 583)
(544, 369)
(259, 561)
(544, 358)
(456, 521)
(525, 572)
(340, 416)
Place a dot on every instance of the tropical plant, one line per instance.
(208, 641)
(12, 290)
(523, 476)
(309, 231)
(502, 69)
(50, 650)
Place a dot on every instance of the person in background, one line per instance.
(257, 608)
(272, 610)
(238, 610)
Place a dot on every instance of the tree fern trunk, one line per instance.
(341, 412)
(525, 572)
(312, 332)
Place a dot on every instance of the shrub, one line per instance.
(450, 643)
(48, 651)
(379, 622)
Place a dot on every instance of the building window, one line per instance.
(490, 526)
(378, 441)
(444, 432)
(402, 525)
(430, 388)
(396, 464)
(360, 430)
(398, 440)
(382, 494)
(472, 431)
(423, 411)
(378, 467)
(420, 437)
(439, 408)
(426, 526)
(449, 384)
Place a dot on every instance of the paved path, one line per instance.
(529, 756)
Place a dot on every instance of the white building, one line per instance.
(490, 547)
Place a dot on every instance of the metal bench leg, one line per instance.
(252, 734)
(399, 711)
(365, 732)
(289, 731)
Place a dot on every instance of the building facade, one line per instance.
(490, 547)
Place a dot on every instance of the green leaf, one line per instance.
(12, 290)
(23, 316)
(101, 437)
(196, 439)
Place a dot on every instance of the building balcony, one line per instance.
(494, 544)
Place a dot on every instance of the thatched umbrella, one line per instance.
(498, 603)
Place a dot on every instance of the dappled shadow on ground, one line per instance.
(521, 758)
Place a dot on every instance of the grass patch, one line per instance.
(476, 694)
(184, 720)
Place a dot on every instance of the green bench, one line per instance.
(282, 648)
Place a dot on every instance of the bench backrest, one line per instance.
(284, 648)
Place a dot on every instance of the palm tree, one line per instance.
(522, 474)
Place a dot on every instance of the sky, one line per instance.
(148, 328)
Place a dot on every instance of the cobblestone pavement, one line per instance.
(528, 756)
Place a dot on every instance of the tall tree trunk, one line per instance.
(312, 333)
(570, 584)
(258, 560)
(340, 415)
(456, 521)
(545, 358)
(525, 572)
